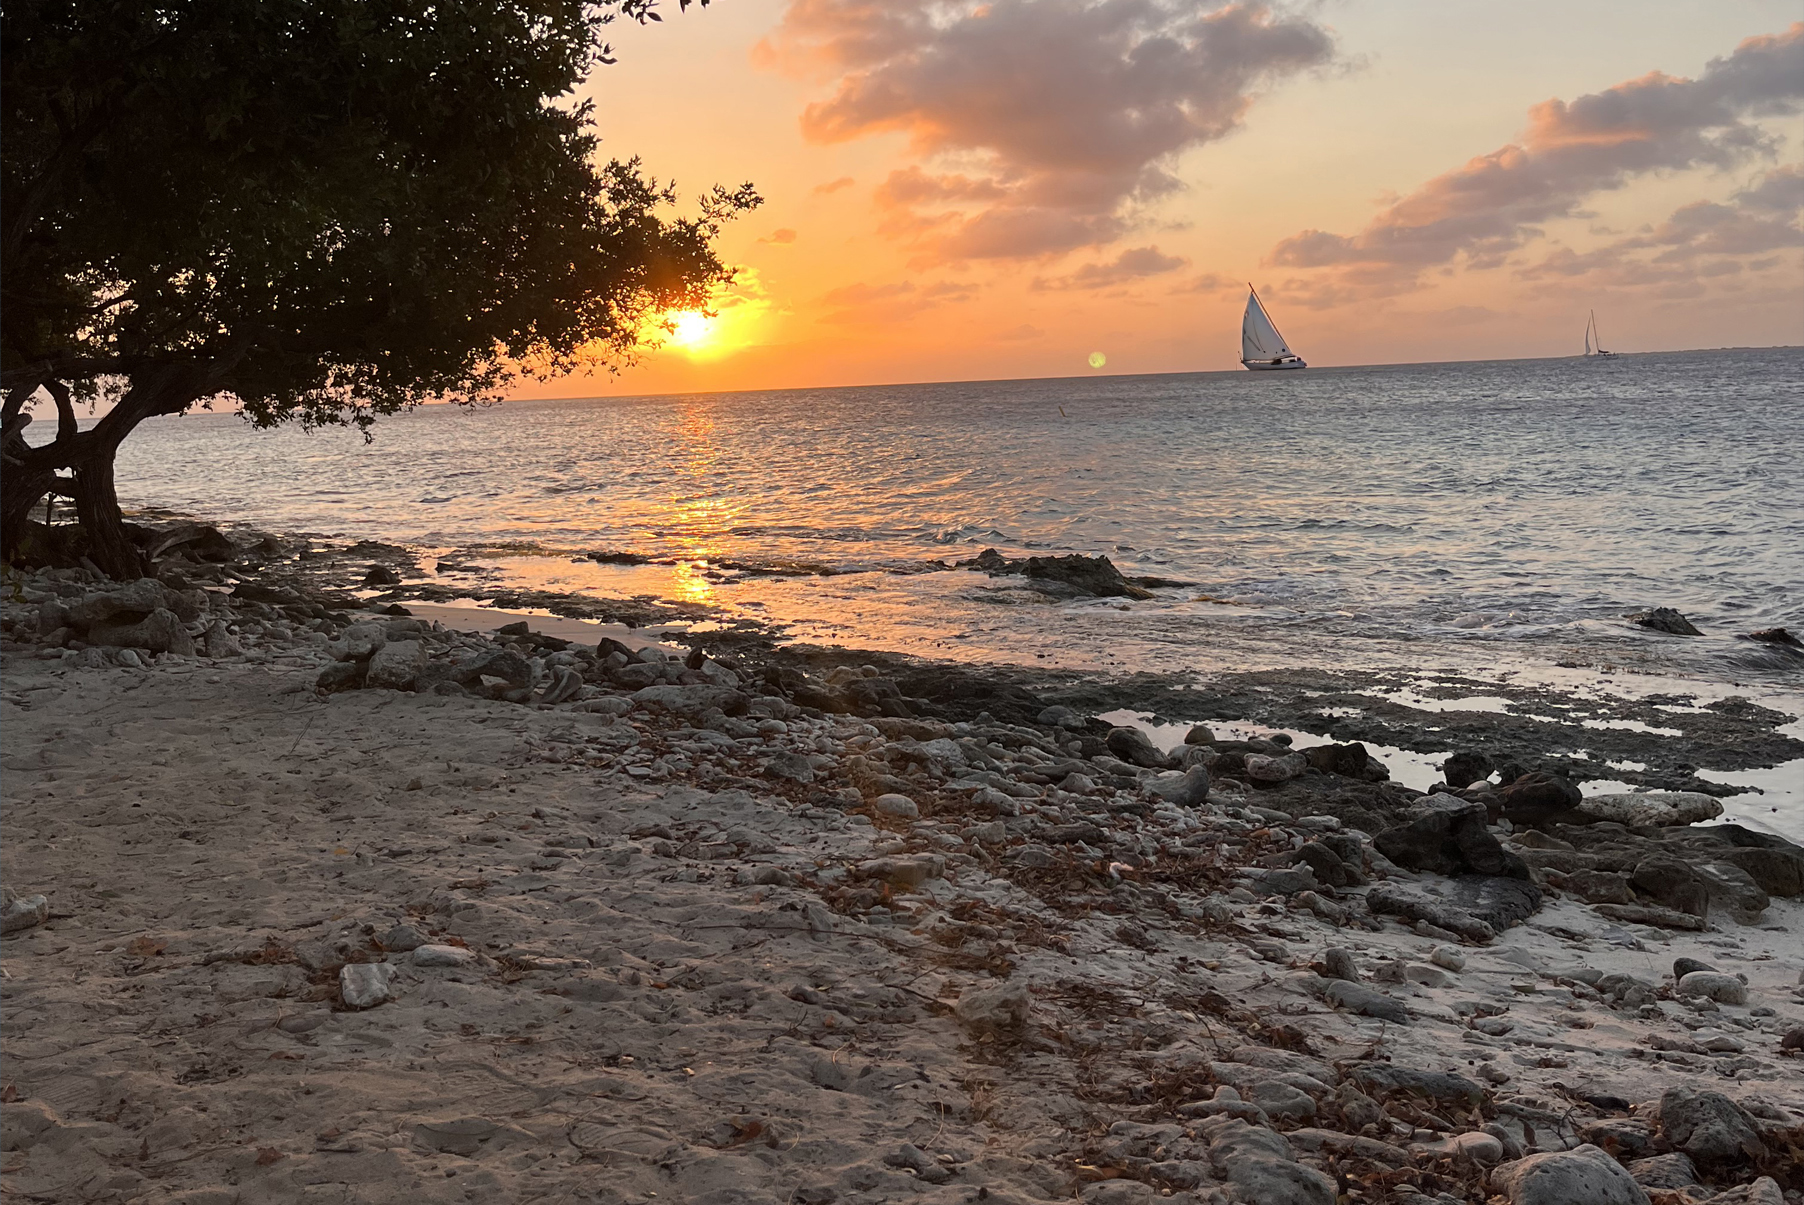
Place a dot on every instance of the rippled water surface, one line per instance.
(1472, 515)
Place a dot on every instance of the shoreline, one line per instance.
(721, 926)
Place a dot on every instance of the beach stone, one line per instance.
(1134, 747)
(692, 701)
(1724, 989)
(1268, 769)
(1062, 717)
(1500, 902)
(1670, 881)
(124, 605)
(505, 664)
(903, 871)
(1775, 636)
(1599, 887)
(1732, 889)
(1652, 808)
(1449, 957)
(1475, 1145)
(1444, 1087)
(442, 956)
(1652, 914)
(402, 938)
(994, 1011)
(897, 805)
(395, 665)
(1349, 760)
(1465, 768)
(788, 765)
(1337, 963)
(1663, 619)
(365, 984)
(1539, 798)
(1356, 1108)
(1448, 835)
(1778, 871)
(1674, 1170)
(1623, 1137)
(1707, 1125)
(1397, 901)
(1259, 1165)
(1199, 734)
(1584, 1175)
(359, 641)
(340, 675)
(1327, 866)
(161, 631)
(24, 912)
(1285, 881)
(1188, 790)
(220, 642)
(1281, 1100)
(1764, 1191)
(1682, 967)
(1103, 1192)
(1360, 1000)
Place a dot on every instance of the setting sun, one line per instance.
(691, 330)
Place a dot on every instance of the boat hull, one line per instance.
(1268, 366)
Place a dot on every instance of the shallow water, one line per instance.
(1446, 515)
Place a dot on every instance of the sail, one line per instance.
(1259, 339)
(1588, 326)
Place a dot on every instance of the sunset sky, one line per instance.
(984, 190)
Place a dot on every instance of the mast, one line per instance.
(1589, 323)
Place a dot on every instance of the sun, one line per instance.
(691, 330)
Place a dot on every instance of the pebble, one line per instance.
(366, 984)
(442, 956)
(1449, 957)
(24, 913)
(897, 805)
(1337, 963)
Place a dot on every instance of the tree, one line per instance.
(323, 210)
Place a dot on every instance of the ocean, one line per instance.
(1462, 516)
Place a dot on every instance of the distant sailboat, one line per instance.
(1262, 348)
(1594, 345)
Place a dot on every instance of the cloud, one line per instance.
(833, 186)
(1129, 266)
(894, 302)
(1056, 119)
(1019, 334)
(1210, 282)
(781, 238)
(1486, 209)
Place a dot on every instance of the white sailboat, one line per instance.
(1262, 348)
(1593, 344)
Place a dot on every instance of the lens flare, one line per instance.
(1097, 359)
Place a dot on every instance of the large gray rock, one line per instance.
(1448, 835)
(1671, 882)
(160, 631)
(1724, 989)
(1134, 747)
(1442, 1087)
(1539, 798)
(1396, 901)
(1188, 790)
(1584, 1175)
(395, 665)
(1707, 1125)
(505, 664)
(690, 702)
(994, 1011)
(1674, 1170)
(359, 641)
(1259, 1165)
(1359, 999)
(1733, 890)
(126, 605)
(1652, 808)
(365, 984)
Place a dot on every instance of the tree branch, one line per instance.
(66, 426)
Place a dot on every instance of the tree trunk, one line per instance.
(97, 506)
(21, 489)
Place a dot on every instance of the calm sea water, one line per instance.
(1477, 516)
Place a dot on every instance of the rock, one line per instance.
(1622, 1137)
(1724, 989)
(1584, 1175)
(1398, 902)
(691, 702)
(1267, 769)
(1764, 1191)
(1134, 747)
(402, 938)
(1327, 866)
(359, 641)
(1663, 619)
(1682, 967)
(1475, 1145)
(381, 575)
(925, 1166)
(365, 984)
(1281, 1100)
(1775, 636)
(1360, 1000)
(903, 871)
(1337, 963)
(1448, 957)
(395, 665)
(1188, 790)
(1448, 835)
(1674, 1170)
(1349, 761)
(1652, 808)
(1113, 1192)
(1732, 889)
(505, 664)
(124, 606)
(564, 685)
(1539, 798)
(220, 642)
(161, 631)
(195, 541)
(1775, 871)
(1652, 914)
(1599, 887)
(1672, 882)
(341, 675)
(1285, 881)
(994, 1011)
(1707, 1125)
(1063, 717)
(1501, 903)
(1464, 769)
(1442, 1087)
(442, 956)
(1199, 734)
(788, 765)
(1259, 1165)
(897, 805)
(24, 912)
(1077, 576)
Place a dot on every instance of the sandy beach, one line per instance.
(277, 932)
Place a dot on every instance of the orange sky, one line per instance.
(1005, 188)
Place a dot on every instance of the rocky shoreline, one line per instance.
(739, 922)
